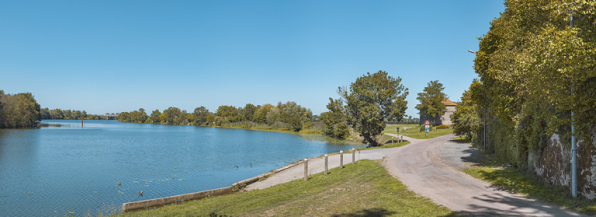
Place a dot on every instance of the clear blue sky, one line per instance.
(114, 56)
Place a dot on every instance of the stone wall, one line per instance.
(554, 164)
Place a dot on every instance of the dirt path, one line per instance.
(431, 168)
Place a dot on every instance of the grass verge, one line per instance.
(517, 181)
(364, 189)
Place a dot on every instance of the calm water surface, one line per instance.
(65, 169)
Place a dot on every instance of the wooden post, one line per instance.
(353, 156)
(82, 122)
(402, 139)
(341, 159)
(305, 169)
(326, 163)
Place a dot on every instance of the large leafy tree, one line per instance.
(465, 118)
(200, 114)
(371, 100)
(335, 120)
(431, 100)
(229, 112)
(535, 69)
(19, 111)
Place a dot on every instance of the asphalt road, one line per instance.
(431, 169)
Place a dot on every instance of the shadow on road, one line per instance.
(518, 207)
(376, 212)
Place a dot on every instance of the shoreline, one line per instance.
(240, 186)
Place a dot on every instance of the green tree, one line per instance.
(293, 114)
(200, 115)
(229, 112)
(431, 100)
(248, 112)
(335, 120)
(19, 111)
(372, 100)
(273, 115)
(465, 118)
(155, 116)
(261, 114)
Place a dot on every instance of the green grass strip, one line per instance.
(364, 189)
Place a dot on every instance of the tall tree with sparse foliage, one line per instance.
(431, 100)
(372, 100)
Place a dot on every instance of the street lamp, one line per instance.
(573, 140)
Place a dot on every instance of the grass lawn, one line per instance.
(364, 189)
(414, 131)
(530, 185)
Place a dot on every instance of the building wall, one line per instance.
(445, 119)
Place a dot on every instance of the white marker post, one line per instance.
(353, 156)
(305, 169)
(341, 159)
(326, 163)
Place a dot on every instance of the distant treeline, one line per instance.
(18, 110)
(46, 113)
(406, 120)
(285, 115)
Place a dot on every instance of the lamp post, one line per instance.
(573, 140)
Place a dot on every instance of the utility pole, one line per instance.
(573, 140)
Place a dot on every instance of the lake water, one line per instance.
(64, 169)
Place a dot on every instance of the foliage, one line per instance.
(248, 112)
(229, 112)
(431, 100)
(19, 110)
(201, 115)
(261, 113)
(372, 100)
(154, 118)
(136, 116)
(406, 120)
(442, 126)
(46, 113)
(336, 120)
(529, 64)
(288, 115)
(465, 118)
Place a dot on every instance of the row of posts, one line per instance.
(400, 138)
(341, 162)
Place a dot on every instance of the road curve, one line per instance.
(431, 169)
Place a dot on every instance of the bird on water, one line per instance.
(236, 166)
(118, 184)
(140, 193)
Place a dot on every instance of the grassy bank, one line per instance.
(364, 189)
(414, 131)
(530, 185)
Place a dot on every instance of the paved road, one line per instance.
(431, 169)
(315, 165)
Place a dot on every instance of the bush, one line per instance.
(342, 131)
(442, 126)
